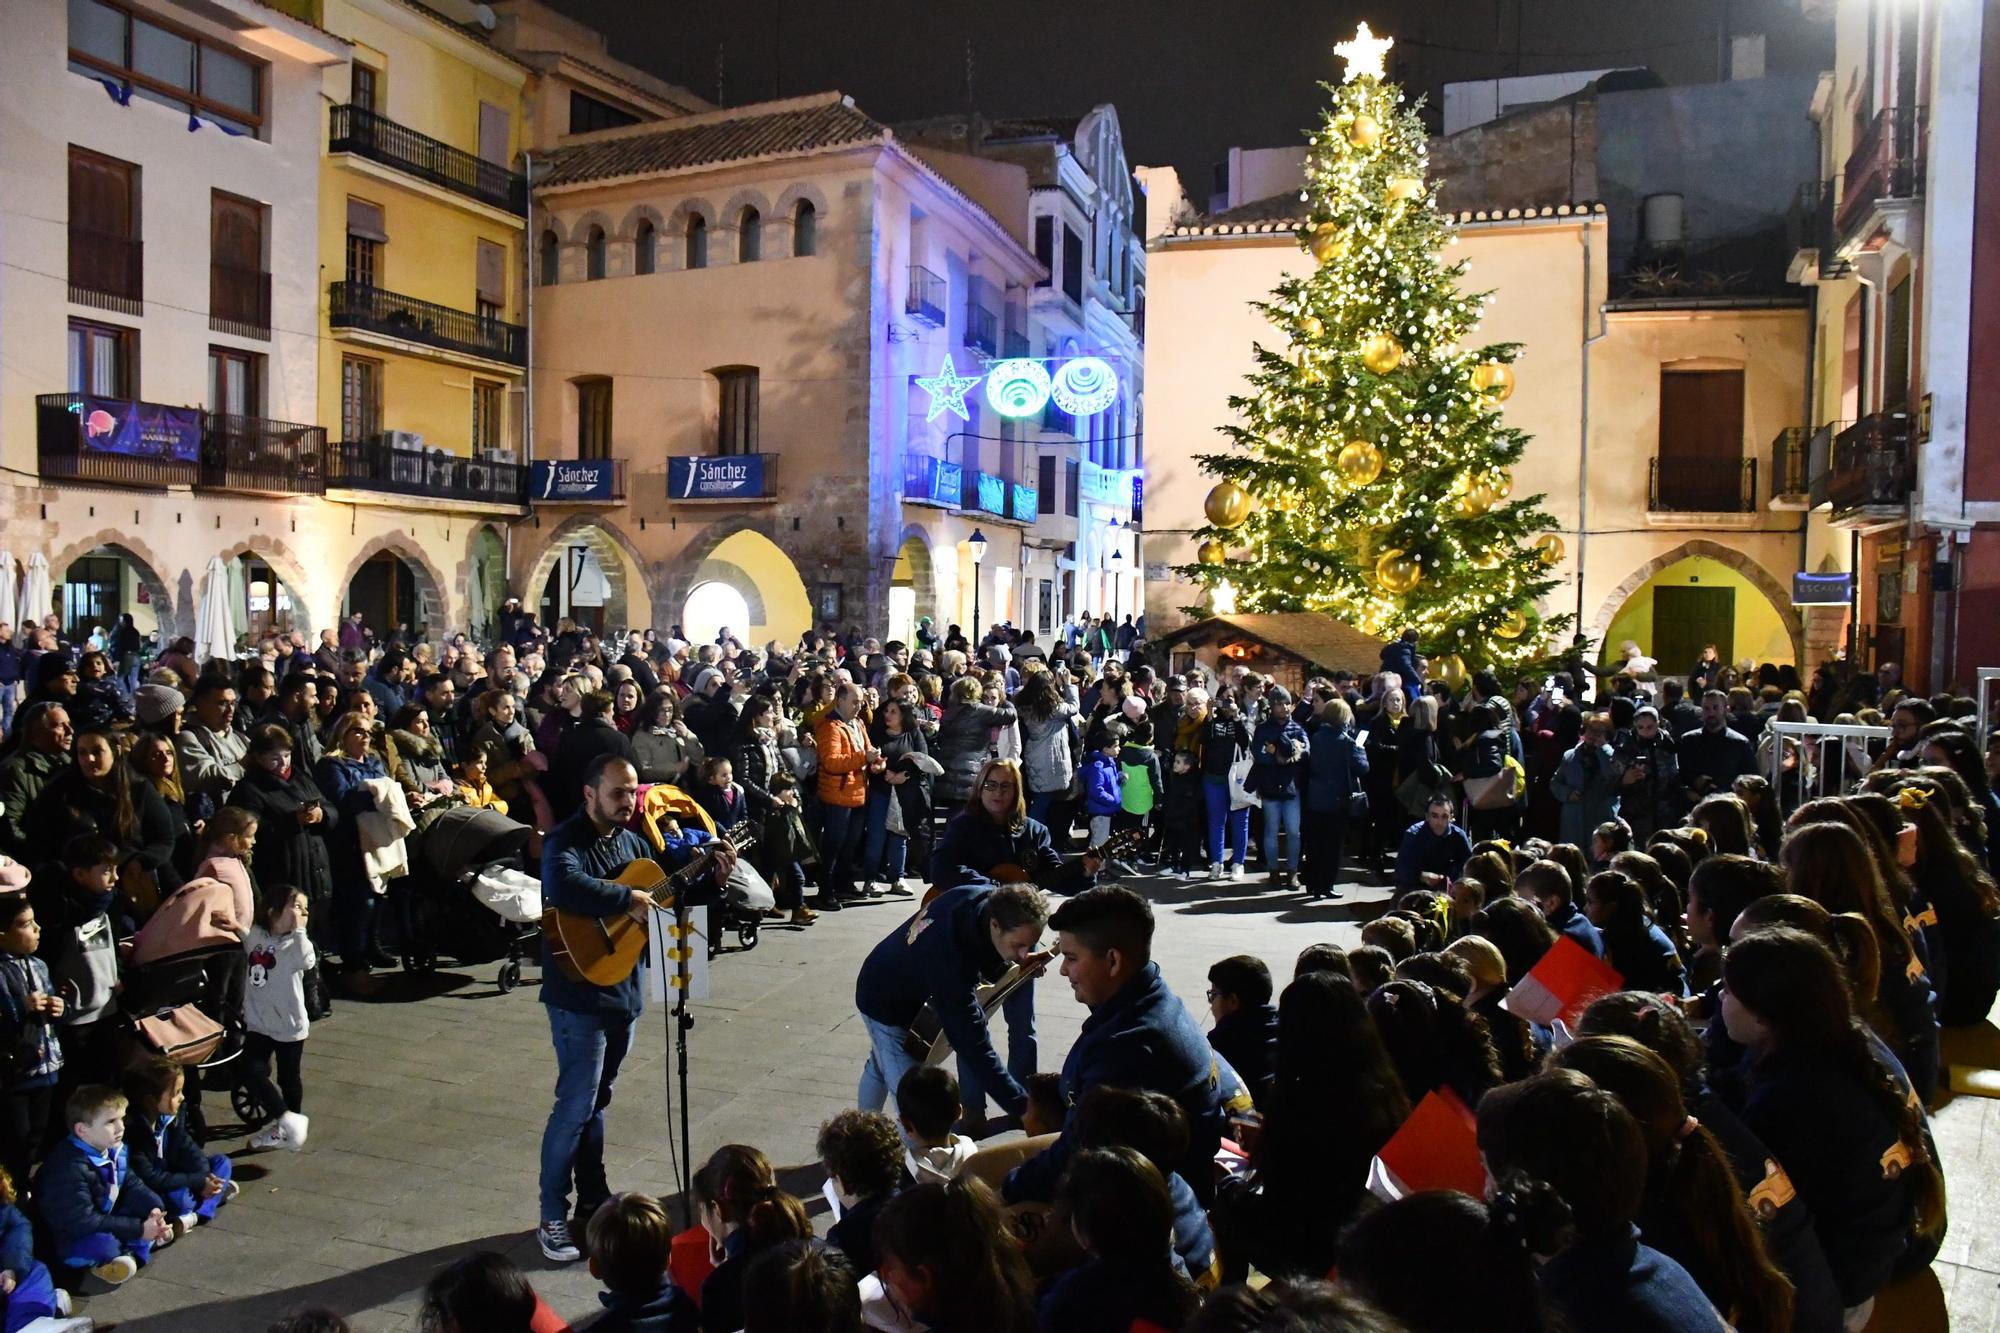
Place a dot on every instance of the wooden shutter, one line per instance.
(236, 233)
(494, 128)
(365, 220)
(1701, 440)
(492, 276)
(100, 194)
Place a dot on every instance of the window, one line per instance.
(235, 382)
(586, 113)
(1045, 248)
(1072, 482)
(593, 254)
(1896, 349)
(1046, 492)
(593, 418)
(1701, 441)
(749, 236)
(144, 57)
(1072, 266)
(496, 134)
(362, 88)
(366, 235)
(106, 258)
(489, 284)
(548, 259)
(486, 401)
(646, 248)
(805, 228)
(360, 399)
(736, 422)
(239, 291)
(697, 241)
(101, 360)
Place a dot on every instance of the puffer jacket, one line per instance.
(843, 762)
(1046, 760)
(419, 761)
(963, 741)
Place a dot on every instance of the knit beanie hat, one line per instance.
(156, 703)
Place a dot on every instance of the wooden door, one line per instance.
(1701, 441)
(1684, 620)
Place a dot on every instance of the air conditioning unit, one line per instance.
(406, 466)
(501, 455)
(438, 466)
(403, 439)
(479, 477)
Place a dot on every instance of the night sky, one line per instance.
(1189, 79)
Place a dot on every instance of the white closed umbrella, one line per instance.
(214, 627)
(37, 598)
(10, 587)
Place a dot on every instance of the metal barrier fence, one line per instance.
(1813, 751)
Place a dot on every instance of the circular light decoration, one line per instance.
(1084, 386)
(1017, 388)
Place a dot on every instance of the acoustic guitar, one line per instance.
(925, 1041)
(604, 950)
(1007, 872)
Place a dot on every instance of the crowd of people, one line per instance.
(1793, 918)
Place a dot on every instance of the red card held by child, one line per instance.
(1562, 985)
(1436, 1149)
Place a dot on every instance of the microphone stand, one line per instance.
(679, 1021)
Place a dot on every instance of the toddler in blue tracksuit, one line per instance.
(101, 1216)
(27, 1292)
(1104, 783)
(164, 1156)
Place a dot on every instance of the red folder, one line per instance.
(1562, 985)
(1436, 1149)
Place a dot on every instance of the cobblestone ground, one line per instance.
(427, 1107)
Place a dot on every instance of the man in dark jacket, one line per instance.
(938, 958)
(1401, 658)
(1138, 1035)
(1434, 849)
(43, 752)
(1713, 757)
(1649, 788)
(590, 1025)
(592, 736)
(1246, 1022)
(10, 677)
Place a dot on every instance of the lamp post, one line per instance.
(976, 544)
(1117, 563)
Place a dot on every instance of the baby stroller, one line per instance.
(739, 907)
(183, 995)
(448, 914)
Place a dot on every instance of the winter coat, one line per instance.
(963, 742)
(843, 762)
(163, 1154)
(1102, 783)
(665, 753)
(1220, 740)
(580, 745)
(1143, 787)
(76, 1202)
(99, 705)
(419, 761)
(289, 852)
(1046, 761)
(1586, 782)
(1277, 752)
(753, 762)
(23, 775)
(1335, 769)
(70, 805)
(345, 782)
(1653, 802)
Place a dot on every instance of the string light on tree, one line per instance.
(1368, 473)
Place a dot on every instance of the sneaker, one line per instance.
(556, 1243)
(63, 1304)
(293, 1127)
(120, 1270)
(185, 1223)
(1215, 870)
(230, 1189)
(271, 1136)
(1236, 870)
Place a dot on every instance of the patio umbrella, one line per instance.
(214, 627)
(10, 587)
(37, 598)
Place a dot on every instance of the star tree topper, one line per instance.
(1364, 54)
(947, 389)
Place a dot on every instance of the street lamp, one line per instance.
(976, 544)
(1117, 563)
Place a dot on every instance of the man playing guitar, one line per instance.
(994, 838)
(590, 1025)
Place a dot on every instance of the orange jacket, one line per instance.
(843, 779)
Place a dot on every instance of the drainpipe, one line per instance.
(1583, 438)
(528, 377)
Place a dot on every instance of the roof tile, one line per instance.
(801, 126)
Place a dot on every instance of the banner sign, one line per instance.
(929, 480)
(140, 430)
(992, 494)
(724, 477)
(1822, 589)
(1026, 502)
(563, 479)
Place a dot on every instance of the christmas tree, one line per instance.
(1369, 475)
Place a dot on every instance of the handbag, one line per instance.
(183, 1034)
(1240, 796)
(1495, 792)
(1416, 790)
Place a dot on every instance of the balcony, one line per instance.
(239, 301)
(925, 302)
(112, 442)
(998, 497)
(379, 139)
(1882, 166)
(432, 474)
(722, 478)
(1871, 472)
(107, 271)
(353, 305)
(1681, 486)
(1788, 469)
(1815, 245)
(982, 329)
(1819, 462)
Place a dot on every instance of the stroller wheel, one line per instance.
(249, 1111)
(420, 960)
(510, 976)
(746, 934)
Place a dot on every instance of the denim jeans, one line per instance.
(887, 1063)
(7, 701)
(1216, 790)
(1023, 1053)
(840, 846)
(1281, 815)
(876, 835)
(589, 1049)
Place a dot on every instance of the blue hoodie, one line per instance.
(1102, 784)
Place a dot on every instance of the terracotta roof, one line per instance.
(1316, 638)
(774, 129)
(1284, 213)
(1034, 127)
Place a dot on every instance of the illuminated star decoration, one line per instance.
(947, 389)
(1364, 53)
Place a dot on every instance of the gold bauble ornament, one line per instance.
(1404, 188)
(1381, 353)
(1211, 553)
(1495, 379)
(1491, 560)
(1227, 505)
(1365, 131)
(1397, 571)
(1550, 548)
(1359, 462)
(1514, 626)
(1311, 327)
(1328, 243)
(1503, 484)
(1479, 497)
(1451, 670)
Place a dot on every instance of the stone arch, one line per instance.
(698, 563)
(674, 236)
(713, 570)
(616, 554)
(285, 565)
(433, 611)
(732, 223)
(467, 571)
(1752, 571)
(145, 565)
(923, 570)
(628, 226)
(793, 194)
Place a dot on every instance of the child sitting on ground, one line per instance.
(27, 1292)
(863, 1156)
(32, 1056)
(473, 788)
(630, 1237)
(274, 1011)
(1118, 1205)
(1246, 1022)
(1047, 1108)
(481, 1293)
(801, 1284)
(100, 1216)
(164, 1155)
(927, 1103)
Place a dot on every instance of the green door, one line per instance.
(1684, 620)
